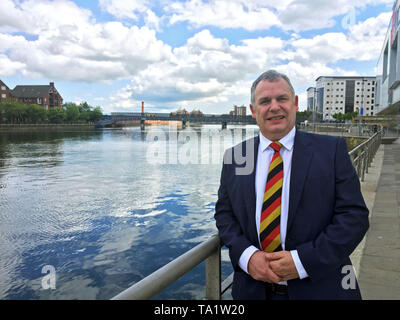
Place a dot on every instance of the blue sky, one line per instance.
(192, 54)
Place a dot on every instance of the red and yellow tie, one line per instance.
(270, 236)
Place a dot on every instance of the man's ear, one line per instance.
(253, 111)
(296, 102)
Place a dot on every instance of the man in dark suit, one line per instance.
(292, 221)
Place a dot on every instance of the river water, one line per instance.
(101, 210)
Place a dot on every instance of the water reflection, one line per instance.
(92, 205)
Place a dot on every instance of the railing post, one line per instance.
(213, 275)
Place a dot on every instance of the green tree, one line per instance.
(13, 111)
(35, 114)
(95, 115)
(84, 107)
(72, 113)
(303, 114)
(339, 116)
(56, 115)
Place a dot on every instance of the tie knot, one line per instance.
(276, 146)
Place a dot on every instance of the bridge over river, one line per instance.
(126, 118)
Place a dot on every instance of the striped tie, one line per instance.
(270, 237)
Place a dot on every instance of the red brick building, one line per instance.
(5, 92)
(43, 95)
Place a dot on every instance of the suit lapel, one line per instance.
(250, 191)
(301, 159)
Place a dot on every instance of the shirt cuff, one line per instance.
(299, 266)
(245, 257)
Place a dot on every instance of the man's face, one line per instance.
(274, 108)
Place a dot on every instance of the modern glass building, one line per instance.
(388, 68)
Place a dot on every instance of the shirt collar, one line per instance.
(287, 141)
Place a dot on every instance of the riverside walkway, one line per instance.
(377, 259)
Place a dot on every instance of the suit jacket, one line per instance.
(327, 216)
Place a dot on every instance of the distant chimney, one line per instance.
(52, 84)
(142, 107)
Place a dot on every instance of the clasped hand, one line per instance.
(272, 267)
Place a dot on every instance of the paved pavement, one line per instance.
(377, 259)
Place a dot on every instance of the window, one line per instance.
(3, 88)
(3, 95)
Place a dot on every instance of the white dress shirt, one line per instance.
(265, 153)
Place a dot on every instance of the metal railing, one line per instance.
(210, 250)
(362, 155)
(350, 129)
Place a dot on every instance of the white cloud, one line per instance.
(209, 70)
(71, 45)
(296, 15)
(223, 14)
(363, 42)
(205, 69)
(132, 10)
(8, 67)
(124, 9)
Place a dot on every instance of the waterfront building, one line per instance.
(44, 95)
(388, 67)
(238, 111)
(5, 92)
(311, 97)
(343, 94)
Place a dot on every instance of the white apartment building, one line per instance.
(343, 95)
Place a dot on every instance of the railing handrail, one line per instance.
(163, 277)
(166, 275)
(364, 144)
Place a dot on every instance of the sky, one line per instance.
(192, 54)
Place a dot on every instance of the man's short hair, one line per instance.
(270, 76)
